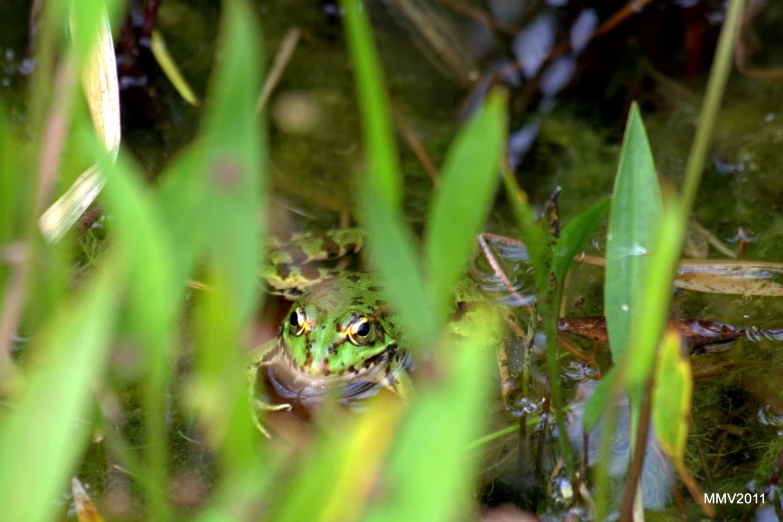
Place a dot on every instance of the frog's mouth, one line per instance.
(319, 376)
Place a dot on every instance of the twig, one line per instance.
(493, 262)
(287, 47)
(425, 23)
(639, 447)
(417, 148)
(481, 16)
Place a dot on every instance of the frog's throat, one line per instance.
(372, 369)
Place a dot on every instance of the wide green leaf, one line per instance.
(469, 180)
(635, 211)
(213, 200)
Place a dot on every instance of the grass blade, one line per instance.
(393, 253)
(462, 201)
(42, 437)
(430, 471)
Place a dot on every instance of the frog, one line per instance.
(340, 328)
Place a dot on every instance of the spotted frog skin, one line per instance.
(340, 329)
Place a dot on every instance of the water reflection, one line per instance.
(556, 76)
(655, 483)
(532, 45)
(515, 263)
(582, 31)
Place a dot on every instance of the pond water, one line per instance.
(567, 110)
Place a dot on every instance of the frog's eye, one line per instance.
(297, 320)
(360, 332)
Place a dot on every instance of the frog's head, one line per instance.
(341, 327)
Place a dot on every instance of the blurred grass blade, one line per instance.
(99, 82)
(393, 252)
(155, 300)
(155, 294)
(462, 201)
(532, 233)
(672, 396)
(42, 437)
(671, 409)
(218, 390)
(338, 478)
(384, 171)
(218, 206)
(397, 261)
(652, 314)
(170, 69)
(430, 471)
(233, 174)
(635, 211)
(574, 235)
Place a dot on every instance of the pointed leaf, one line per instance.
(635, 211)
(574, 235)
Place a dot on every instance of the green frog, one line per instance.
(340, 329)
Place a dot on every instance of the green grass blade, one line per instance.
(393, 250)
(430, 471)
(652, 314)
(462, 201)
(155, 297)
(330, 484)
(574, 235)
(154, 293)
(719, 74)
(213, 200)
(635, 211)
(44, 434)
(384, 171)
(235, 153)
(398, 263)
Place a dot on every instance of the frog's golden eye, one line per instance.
(360, 332)
(297, 321)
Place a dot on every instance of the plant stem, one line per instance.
(719, 74)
